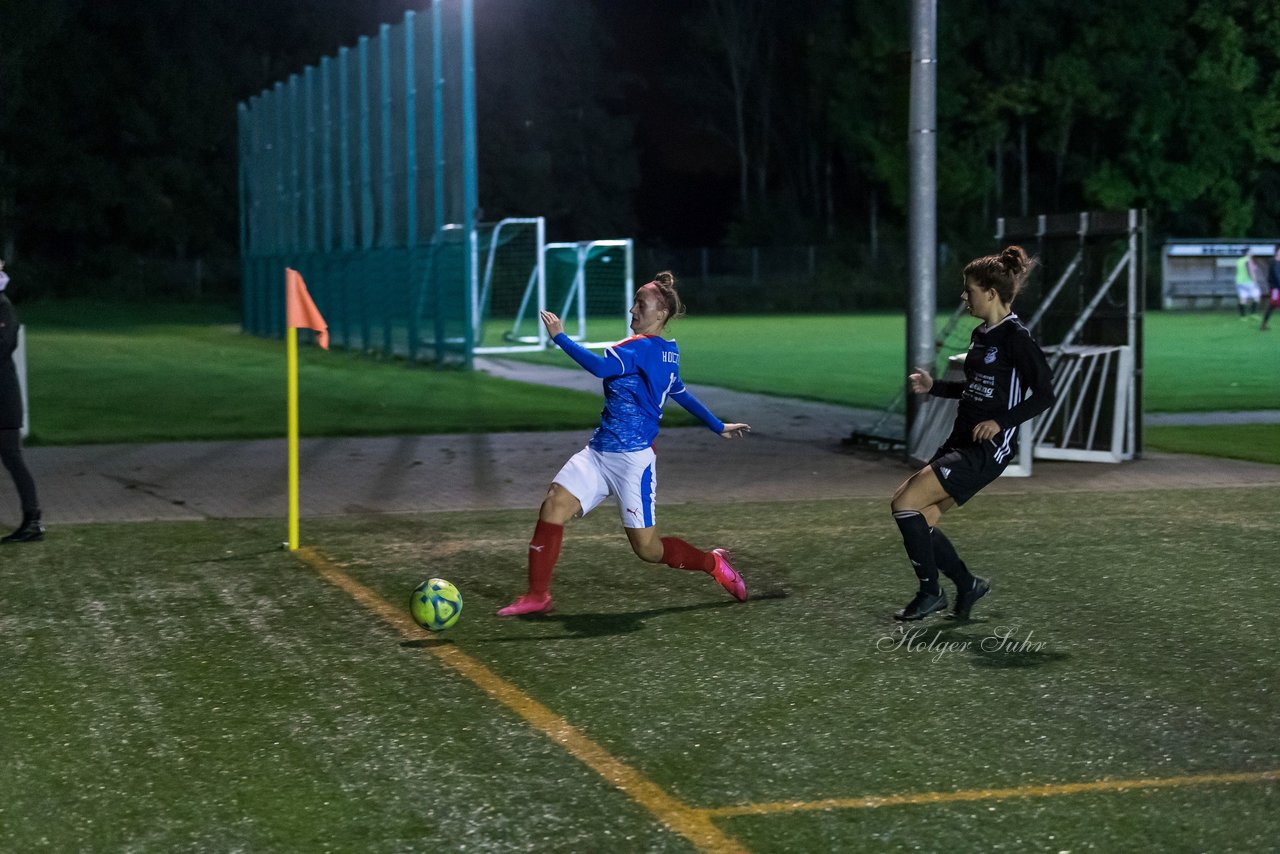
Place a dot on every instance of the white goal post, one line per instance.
(588, 283)
(509, 287)
(592, 282)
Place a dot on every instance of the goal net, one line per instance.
(510, 288)
(589, 285)
(519, 275)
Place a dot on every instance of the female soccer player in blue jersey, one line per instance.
(1003, 362)
(640, 374)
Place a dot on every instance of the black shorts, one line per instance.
(964, 471)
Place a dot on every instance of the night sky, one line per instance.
(688, 172)
(118, 119)
(687, 190)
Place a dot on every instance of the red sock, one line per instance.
(544, 551)
(678, 554)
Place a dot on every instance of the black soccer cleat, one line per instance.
(30, 531)
(965, 599)
(922, 606)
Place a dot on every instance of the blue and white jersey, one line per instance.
(640, 374)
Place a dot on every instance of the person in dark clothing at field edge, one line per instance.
(1003, 361)
(11, 424)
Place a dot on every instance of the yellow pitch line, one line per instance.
(693, 824)
(1045, 791)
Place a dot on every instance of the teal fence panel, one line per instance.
(360, 173)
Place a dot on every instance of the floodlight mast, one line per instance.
(922, 215)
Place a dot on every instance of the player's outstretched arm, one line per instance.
(698, 410)
(735, 431)
(600, 366)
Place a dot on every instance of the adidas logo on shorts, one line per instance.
(944, 471)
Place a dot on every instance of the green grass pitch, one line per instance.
(194, 687)
(106, 373)
(110, 373)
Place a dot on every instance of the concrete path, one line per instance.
(1210, 419)
(768, 416)
(210, 480)
(794, 452)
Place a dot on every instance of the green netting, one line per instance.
(360, 173)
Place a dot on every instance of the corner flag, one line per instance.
(300, 312)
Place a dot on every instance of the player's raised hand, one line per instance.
(553, 324)
(735, 431)
(920, 381)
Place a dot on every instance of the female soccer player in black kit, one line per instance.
(1003, 363)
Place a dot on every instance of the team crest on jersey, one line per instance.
(990, 358)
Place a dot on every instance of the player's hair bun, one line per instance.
(1005, 273)
(666, 285)
(1015, 260)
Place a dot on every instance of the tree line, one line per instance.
(775, 123)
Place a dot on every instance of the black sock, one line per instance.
(11, 458)
(949, 562)
(915, 537)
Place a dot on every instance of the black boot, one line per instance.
(966, 598)
(922, 606)
(28, 532)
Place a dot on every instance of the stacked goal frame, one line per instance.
(518, 275)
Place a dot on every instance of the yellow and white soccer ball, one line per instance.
(436, 604)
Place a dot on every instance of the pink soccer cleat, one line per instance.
(727, 577)
(529, 603)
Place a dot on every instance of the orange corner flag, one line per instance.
(300, 311)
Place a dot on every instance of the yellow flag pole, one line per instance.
(291, 337)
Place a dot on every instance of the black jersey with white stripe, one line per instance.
(1002, 366)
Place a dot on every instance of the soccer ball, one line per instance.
(435, 604)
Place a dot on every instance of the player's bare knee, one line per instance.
(547, 512)
(559, 506)
(646, 545)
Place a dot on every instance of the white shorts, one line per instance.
(1248, 293)
(631, 476)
